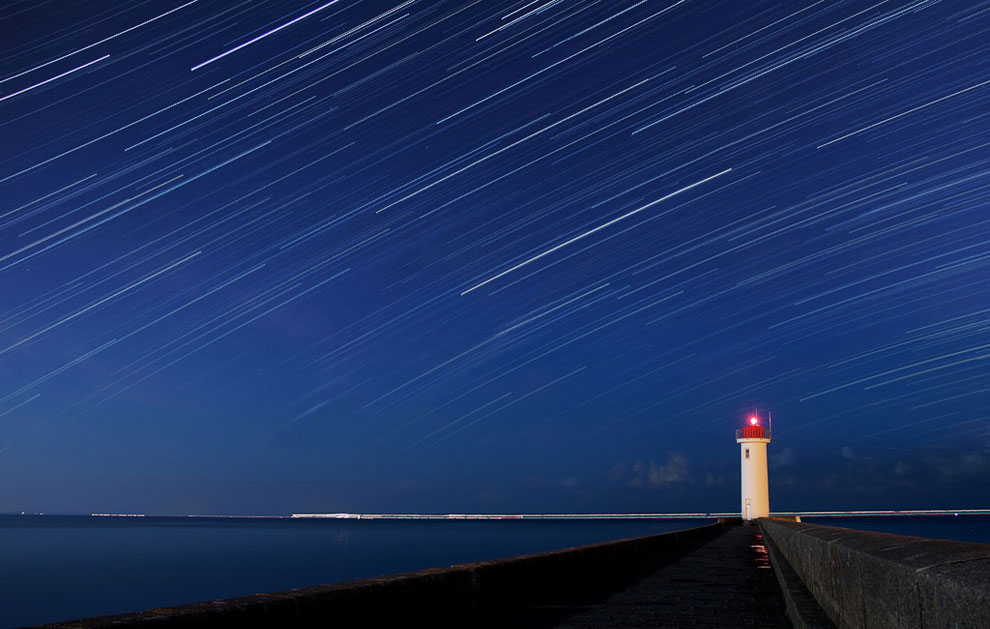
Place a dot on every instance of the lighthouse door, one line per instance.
(748, 508)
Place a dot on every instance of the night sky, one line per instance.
(274, 257)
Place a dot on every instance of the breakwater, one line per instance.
(868, 579)
(473, 593)
(710, 575)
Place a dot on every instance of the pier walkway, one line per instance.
(725, 582)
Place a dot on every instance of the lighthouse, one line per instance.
(753, 439)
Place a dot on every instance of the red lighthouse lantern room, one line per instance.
(754, 430)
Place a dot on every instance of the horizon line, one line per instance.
(521, 516)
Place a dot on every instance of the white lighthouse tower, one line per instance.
(753, 440)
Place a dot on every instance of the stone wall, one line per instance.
(867, 579)
(467, 594)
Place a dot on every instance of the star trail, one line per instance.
(272, 257)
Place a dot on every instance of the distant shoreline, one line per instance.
(521, 516)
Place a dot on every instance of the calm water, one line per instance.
(963, 528)
(64, 567)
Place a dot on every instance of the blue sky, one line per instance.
(270, 257)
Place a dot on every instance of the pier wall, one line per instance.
(867, 579)
(466, 593)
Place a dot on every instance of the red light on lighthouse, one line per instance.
(752, 429)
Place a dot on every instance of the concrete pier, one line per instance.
(726, 582)
(776, 574)
(869, 579)
(718, 572)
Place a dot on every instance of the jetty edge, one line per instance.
(465, 593)
(871, 579)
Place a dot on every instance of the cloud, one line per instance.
(638, 477)
(655, 476)
(960, 465)
(784, 458)
(618, 473)
(673, 472)
(711, 480)
(902, 468)
(879, 473)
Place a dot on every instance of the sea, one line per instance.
(55, 568)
